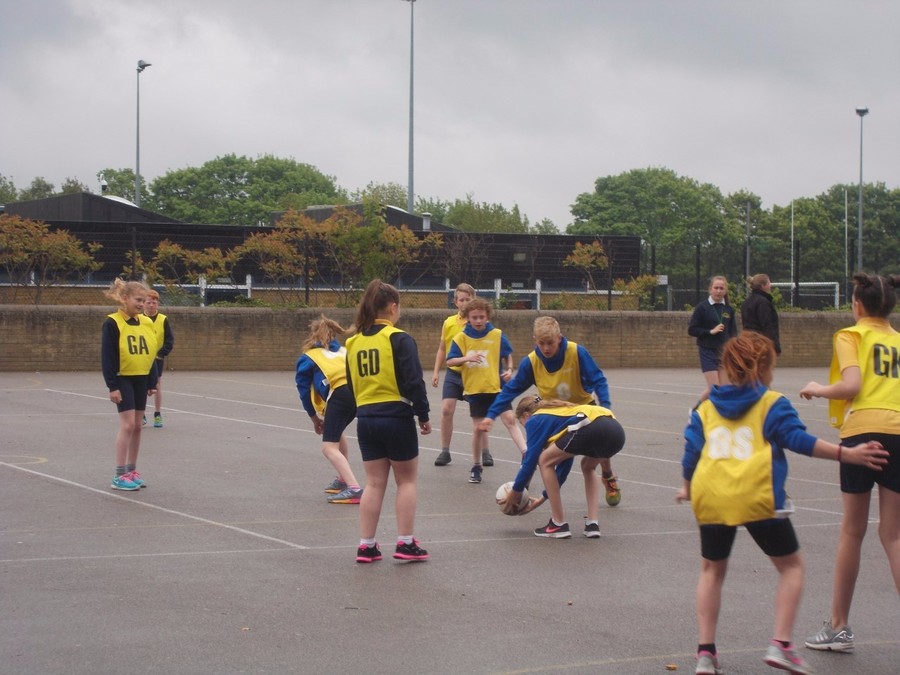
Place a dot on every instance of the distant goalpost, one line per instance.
(819, 288)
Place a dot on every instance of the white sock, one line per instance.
(405, 539)
(366, 543)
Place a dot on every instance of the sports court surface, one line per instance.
(231, 561)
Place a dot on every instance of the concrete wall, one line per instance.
(49, 337)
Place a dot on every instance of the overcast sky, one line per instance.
(522, 102)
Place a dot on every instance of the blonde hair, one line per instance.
(322, 331)
(528, 405)
(546, 327)
(465, 288)
(747, 358)
(119, 290)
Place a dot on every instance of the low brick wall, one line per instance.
(57, 337)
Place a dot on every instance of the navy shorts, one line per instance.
(861, 479)
(601, 439)
(393, 438)
(339, 412)
(776, 538)
(134, 392)
(709, 359)
(479, 404)
(453, 386)
(159, 366)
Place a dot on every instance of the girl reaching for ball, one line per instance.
(556, 432)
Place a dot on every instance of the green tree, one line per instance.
(386, 194)
(471, 216)
(35, 257)
(236, 190)
(39, 189)
(438, 208)
(73, 186)
(8, 192)
(120, 183)
(672, 214)
(589, 259)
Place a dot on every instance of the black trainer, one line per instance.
(368, 554)
(554, 531)
(443, 459)
(411, 552)
(486, 458)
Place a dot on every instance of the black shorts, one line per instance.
(393, 438)
(709, 359)
(861, 479)
(159, 366)
(479, 404)
(134, 392)
(453, 386)
(602, 439)
(776, 538)
(339, 412)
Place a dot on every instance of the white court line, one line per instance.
(180, 514)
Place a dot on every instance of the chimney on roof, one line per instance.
(426, 222)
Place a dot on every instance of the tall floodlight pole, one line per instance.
(409, 186)
(862, 112)
(137, 155)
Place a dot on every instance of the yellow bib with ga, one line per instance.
(482, 377)
(732, 483)
(334, 368)
(370, 359)
(565, 383)
(453, 326)
(587, 413)
(137, 344)
(159, 327)
(879, 367)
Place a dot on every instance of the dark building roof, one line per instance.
(80, 207)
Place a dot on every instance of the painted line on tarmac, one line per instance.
(118, 556)
(180, 514)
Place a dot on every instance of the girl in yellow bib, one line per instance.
(321, 378)
(864, 403)
(385, 375)
(127, 351)
(734, 470)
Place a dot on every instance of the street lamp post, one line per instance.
(137, 157)
(862, 112)
(409, 187)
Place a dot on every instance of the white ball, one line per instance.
(510, 509)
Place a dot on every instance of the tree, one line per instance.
(672, 214)
(8, 192)
(236, 190)
(73, 186)
(36, 257)
(470, 216)
(120, 183)
(587, 259)
(387, 194)
(39, 189)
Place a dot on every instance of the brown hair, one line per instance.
(529, 404)
(119, 290)
(479, 303)
(747, 357)
(757, 281)
(322, 331)
(876, 293)
(375, 301)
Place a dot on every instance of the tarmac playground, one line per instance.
(231, 561)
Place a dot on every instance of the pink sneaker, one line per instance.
(136, 478)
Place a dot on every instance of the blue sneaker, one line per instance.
(124, 483)
(136, 478)
(348, 496)
(475, 474)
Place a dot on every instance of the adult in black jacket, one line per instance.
(758, 311)
(712, 323)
